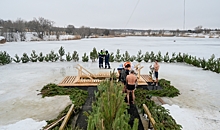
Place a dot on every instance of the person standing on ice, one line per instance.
(101, 57)
(107, 60)
(156, 69)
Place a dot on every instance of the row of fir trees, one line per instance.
(212, 64)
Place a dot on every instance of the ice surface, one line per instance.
(197, 107)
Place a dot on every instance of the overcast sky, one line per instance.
(112, 14)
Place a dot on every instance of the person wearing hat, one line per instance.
(107, 60)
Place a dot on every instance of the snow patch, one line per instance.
(1, 37)
(26, 124)
(192, 119)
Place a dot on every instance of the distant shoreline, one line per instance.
(77, 37)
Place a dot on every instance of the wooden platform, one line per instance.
(86, 78)
(75, 81)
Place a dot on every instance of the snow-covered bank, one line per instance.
(192, 119)
(20, 83)
(27, 124)
(1, 37)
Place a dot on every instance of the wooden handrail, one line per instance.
(146, 110)
(67, 117)
(86, 70)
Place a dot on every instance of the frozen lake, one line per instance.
(197, 107)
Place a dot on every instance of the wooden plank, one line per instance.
(69, 113)
(147, 78)
(64, 80)
(149, 115)
(54, 123)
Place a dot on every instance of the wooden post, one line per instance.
(149, 115)
(69, 113)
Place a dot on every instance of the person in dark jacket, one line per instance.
(107, 60)
(101, 57)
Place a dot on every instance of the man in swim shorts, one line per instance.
(156, 69)
(131, 80)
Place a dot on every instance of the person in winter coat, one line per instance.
(107, 60)
(101, 57)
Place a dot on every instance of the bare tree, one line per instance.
(198, 29)
(40, 25)
(149, 31)
(84, 31)
(70, 29)
(19, 26)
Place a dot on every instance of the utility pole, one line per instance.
(184, 16)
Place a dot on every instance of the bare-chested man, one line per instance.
(156, 69)
(131, 80)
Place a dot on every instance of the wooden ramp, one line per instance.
(86, 78)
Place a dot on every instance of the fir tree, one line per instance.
(203, 63)
(85, 58)
(132, 58)
(53, 57)
(61, 53)
(147, 57)
(17, 59)
(118, 56)
(75, 56)
(185, 56)
(93, 55)
(5, 58)
(217, 66)
(68, 57)
(211, 62)
(173, 58)
(126, 56)
(109, 95)
(140, 56)
(41, 57)
(179, 57)
(25, 58)
(152, 56)
(111, 57)
(159, 57)
(195, 62)
(34, 56)
(166, 57)
(47, 58)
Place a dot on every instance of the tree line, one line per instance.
(43, 27)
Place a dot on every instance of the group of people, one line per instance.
(128, 77)
(104, 56)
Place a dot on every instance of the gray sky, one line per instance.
(149, 14)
